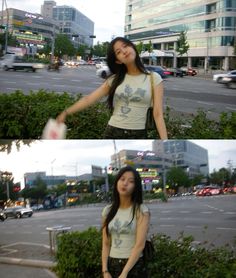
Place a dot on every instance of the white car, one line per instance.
(218, 77)
(103, 72)
(100, 64)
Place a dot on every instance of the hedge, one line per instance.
(79, 256)
(24, 116)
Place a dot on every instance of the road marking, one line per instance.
(58, 85)
(10, 82)
(166, 211)
(184, 211)
(165, 225)
(76, 80)
(56, 78)
(193, 227)
(231, 108)
(207, 212)
(230, 212)
(34, 84)
(225, 228)
(167, 218)
(207, 103)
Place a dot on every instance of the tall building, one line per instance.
(77, 26)
(149, 164)
(185, 154)
(210, 27)
(47, 9)
(31, 30)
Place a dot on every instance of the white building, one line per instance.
(210, 26)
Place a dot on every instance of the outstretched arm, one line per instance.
(85, 102)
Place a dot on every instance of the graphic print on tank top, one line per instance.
(119, 228)
(129, 96)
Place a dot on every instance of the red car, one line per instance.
(209, 191)
(231, 189)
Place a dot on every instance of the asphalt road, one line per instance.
(211, 219)
(185, 95)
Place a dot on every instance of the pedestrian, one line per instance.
(129, 94)
(125, 228)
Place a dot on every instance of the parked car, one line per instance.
(103, 72)
(2, 216)
(218, 77)
(176, 72)
(164, 73)
(37, 207)
(229, 81)
(188, 71)
(18, 212)
(231, 189)
(209, 191)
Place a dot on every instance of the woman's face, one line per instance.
(124, 52)
(126, 184)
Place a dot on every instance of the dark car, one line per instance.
(229, 81)
(18, 212)
(160, 70)
(176, 72)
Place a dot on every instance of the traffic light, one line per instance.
(3, 27)
(92, 37)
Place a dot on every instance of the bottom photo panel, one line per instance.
(118, 208)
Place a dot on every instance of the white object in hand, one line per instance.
(54, 130)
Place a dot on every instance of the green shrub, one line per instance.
(79, 255)
(24, 117)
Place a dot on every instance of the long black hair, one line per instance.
(120, 69)
(136, 198)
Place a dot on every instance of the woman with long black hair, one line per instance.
(129, 94)
(125, 228)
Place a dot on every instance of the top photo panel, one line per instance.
(149, 69)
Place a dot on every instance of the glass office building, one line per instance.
(74, 24)
(185, 154)
(210, 27)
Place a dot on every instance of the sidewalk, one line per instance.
(23, 259)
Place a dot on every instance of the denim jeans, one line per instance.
(115, 267)
(112, 132)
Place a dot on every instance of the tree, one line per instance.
(100, 49)
(6, 145)
(63, 46)
(140, 47)
(221, 177)
(182, 43)
(177, 177)
(38, 191)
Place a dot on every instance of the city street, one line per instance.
(211, 219)
(185, 95)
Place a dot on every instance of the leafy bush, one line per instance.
(24, 117)
(79, 255)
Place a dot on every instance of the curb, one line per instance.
(25, 262)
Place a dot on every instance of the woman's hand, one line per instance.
(107, 275)
(61, 117)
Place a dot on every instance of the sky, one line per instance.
(75, 157)
(108, 15)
